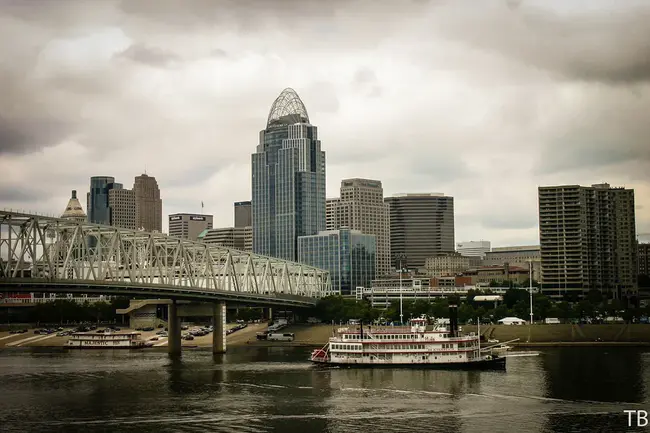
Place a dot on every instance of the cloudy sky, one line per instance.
(483, 103)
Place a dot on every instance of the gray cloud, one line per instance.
(603, 45)
(27, 134)
(151, 56)
(484, 103)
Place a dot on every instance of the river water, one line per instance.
(254, 389)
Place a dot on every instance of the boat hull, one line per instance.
(497, 363)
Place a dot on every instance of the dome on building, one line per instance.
(287, 109)
(73, 210)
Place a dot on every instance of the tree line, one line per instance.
(516, 302)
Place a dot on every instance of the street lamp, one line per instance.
(401, 312)
(530, 279)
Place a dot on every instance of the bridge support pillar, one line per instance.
(219, 323)
(173, 330)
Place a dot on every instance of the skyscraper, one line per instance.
(288, 180)
(361, 207)
(243, 214)
(99, 211)
(148, 204)
(122, 208)
(587, 239)
(421, 226)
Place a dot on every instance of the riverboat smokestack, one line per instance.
(453, 320)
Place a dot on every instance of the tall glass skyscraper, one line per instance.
(288, 180)
(99, 211)
(348, 255)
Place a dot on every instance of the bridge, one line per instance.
(46, 254)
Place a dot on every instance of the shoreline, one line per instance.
(316, 336)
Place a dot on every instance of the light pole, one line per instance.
(530, 279)
(401, 313)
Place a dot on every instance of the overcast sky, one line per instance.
(483, 103)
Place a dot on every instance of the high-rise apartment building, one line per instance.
(421, 226)
(148, 204)
(288, 180)
(587, 237)
(188, 226)
(348, 255)
(473, 248)
(243, 216)
(97, 199)
(73, 211)
(361, 207)
(122, 208)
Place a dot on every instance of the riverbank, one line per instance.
(318, 335)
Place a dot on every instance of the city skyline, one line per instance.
(488, 135)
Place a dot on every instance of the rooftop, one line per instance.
(287, 109)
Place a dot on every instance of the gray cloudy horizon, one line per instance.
(482, 103)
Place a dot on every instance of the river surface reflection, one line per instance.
(274, 390)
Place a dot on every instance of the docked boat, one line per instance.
(113, 340)
(420, 345)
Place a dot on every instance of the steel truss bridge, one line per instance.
(46, 254)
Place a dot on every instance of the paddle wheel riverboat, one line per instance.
(419, 345)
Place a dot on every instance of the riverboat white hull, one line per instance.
(419, 345)
(487, 363)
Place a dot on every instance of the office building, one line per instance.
(122, 208)
(243, 216)
(288, 180)
(97, 199)
(240, 238)
(361, 207)
(587, 240)
(446, 264)
(520, 256)
(188, 226)
(73, 211)
(331, 209)
(421, 226)
(473, 248)
(348, 255)
(148, 204)
(643, 259)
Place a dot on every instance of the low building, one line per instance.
(446, 264)
(348, 255)
(240, 238)
(382, 297)
(498, 274)
(519, 256)
(473, 248)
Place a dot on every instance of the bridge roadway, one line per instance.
(53, 255)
